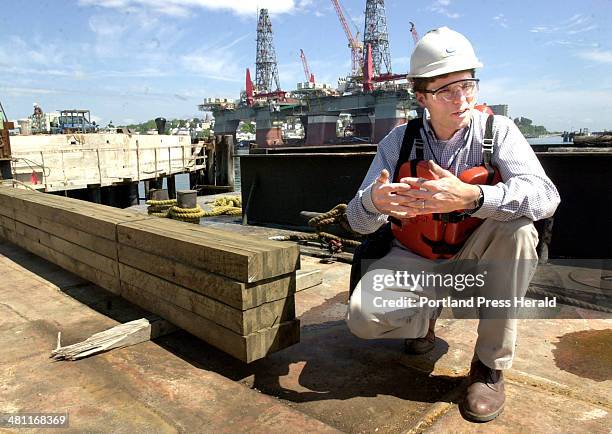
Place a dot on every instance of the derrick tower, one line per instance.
(375, 34)
(266, 70)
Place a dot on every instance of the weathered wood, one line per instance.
(224, 161)
(7, 223)
(246, 348)
(90, 241)
(307, 279)
(233, 291)
(104, 280)
(120, 336)
(86, 256)
(239, 257)
(82, 216)
(241, 322)
(8, 195)
(237, 294)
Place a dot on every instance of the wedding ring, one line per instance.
(423, 204)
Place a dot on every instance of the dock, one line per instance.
(330, 381)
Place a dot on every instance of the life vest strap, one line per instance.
(451, 217)
(442, 247)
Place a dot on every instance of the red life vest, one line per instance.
(440, 236)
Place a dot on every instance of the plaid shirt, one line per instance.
(525, 189)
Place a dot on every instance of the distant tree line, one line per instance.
(526, 127)
(170, 125)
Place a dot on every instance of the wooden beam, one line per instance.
(232, 292)
(239, 257)
(246, 348)
(104, 280)
(72, 250)
(241, 322)
(88, 240)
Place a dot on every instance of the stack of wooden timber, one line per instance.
(233, 291)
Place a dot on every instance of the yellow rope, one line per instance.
(233, 201)
(161, 202)
(225, 205)
(187, 212)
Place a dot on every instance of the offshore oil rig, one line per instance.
(375, 98)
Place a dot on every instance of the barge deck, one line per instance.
(330, 381)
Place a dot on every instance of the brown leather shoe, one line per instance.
(418, 346)
(485, 396)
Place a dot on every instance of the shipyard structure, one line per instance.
(371, 97)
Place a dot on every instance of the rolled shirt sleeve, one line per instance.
(361, 213)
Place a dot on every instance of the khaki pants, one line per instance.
(510, 243)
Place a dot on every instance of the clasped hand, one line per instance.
(445, 193)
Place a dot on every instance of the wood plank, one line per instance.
(201, 231)
(7, 223)
(81, 254)
(307, 279)
(101, 209)
(240, 258)
(246, 348)
(86, 220)
(104, 280)
(237, 294)
(10, 236)
(90, 241)
(241, 322)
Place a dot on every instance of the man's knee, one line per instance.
(357, 320)
(520, 231)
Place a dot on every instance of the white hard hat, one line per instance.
(442, 51)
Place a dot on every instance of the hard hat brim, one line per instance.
(433, 70)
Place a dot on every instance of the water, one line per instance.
(551, 140)
(182, 179)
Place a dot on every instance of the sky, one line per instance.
(133, 60)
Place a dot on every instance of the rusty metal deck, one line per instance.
(561, 380)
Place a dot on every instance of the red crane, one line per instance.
(309, 76)
(354, 44)
(415, 35)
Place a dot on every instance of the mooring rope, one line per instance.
(335, 243)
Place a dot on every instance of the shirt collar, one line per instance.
(467, 132)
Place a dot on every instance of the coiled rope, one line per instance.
(225, 205)
(160, 208)
(335, 243)
(189, 215)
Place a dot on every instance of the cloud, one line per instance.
(216, 60)
(578, 23)
(182, 8)
(441, 7)
(567, 43)
(104, 26)
(18, 91)
(596, 55)
(501, 20)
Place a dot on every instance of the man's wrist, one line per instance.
(477, 203)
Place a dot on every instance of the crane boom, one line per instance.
(307, 74)
(415, 35)
(354, 44)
